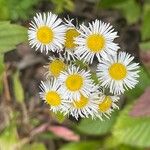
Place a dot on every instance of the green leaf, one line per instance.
(62, 5)
(9, 138)
(146, 23)
(81, 64)
(17, 9)
(11, 35)
(97, 127)
(94, 78)
(109, 3)
(85, 145)
(130, 9)
(59, 116)
(110, 143)
(144, 81)
(18, 89)
(2, 66)
(4, 11)
(47, 136)
(125, 147)
(34, 146)
(145, 46)
(132, 131)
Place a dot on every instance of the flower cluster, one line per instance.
(86, 72)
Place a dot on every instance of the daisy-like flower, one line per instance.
(55, 66)
(70, 35)
(46, 32)
(75, 82)
(118, 73)
(50, 93)
(96, 40)
(107, 104)
(84, 106)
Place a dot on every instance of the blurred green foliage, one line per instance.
(91, 145)
(11, 31)
(10, 36)
(97, 127)
(145, 46)
(146, 23)
(18, 89)
(61, 5)
(58, 116)
(129, 8)
(144, 82)
(34, 146)
(121, 132)
(131, 130)
(16, 9)
(9, 138)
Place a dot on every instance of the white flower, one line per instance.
(118, 73)
(55, 66)
(106, 105)
(76, 82)
(46, 32)
(84, 106)
(70, 35)
(50, 93)
(96, 40)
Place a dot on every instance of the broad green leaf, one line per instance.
(125, 147)
(144, 81)
(4, 22)
(9, 138)
(34, 146)
(145, 46)
(97, 127)
(146, 23)
(130, 9)
(4, 12)
(110, 143)
(84, 145)
(11, 35)
(17, 9)
(132, 131)
(18, 89)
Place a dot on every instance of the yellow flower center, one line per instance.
(106, 104)
(74, 82)
(45, 35)
(70, 35)
(56, 66)
(53, 98)
(117, 71)
(95, 42)
(81, 103)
